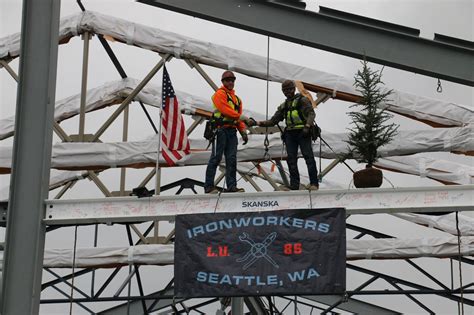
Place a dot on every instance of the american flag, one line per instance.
(173, 136)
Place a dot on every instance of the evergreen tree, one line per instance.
(369, 130)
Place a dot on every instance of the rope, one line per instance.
(460, 262)
(73, 267)
(393, 186)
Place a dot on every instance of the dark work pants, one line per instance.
(293, 140)
(226, 144)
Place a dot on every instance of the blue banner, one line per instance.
(286, 252)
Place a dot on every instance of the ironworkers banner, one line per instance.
(260, 253)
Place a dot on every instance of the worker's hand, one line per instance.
(251, 122)
(306, 131)
(245, 137)
(245, 119)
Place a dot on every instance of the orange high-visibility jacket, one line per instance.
(223, 105)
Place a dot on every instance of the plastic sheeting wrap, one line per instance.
(445, 223)
(115, 92)
(88, 257)
(73, 156)
(390, 248)
(393, 248)
(424, 166)
(439, 112)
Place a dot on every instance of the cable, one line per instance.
(73, 267)
(460, 262)
(81, 6)
(393, 186)
(266, 142)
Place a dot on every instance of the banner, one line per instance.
(286, 252)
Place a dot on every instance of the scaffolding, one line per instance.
(148, 221)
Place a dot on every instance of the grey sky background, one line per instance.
(448, 17)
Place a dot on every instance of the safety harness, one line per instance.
(293, 115)
(219, 120)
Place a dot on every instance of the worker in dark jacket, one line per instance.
(228, 119)
(299, 115)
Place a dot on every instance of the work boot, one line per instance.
(234, 189)
(211, 190)
(283, 188)
(312, 187)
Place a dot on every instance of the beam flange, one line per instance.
(339, 32)
(356, 201)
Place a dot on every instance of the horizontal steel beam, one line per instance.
(339, 32)
(356, 201)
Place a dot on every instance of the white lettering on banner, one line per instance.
(250, 280)
(215, 278)
(258, 221)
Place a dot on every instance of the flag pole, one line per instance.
(158, 168)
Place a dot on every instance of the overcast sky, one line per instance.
(448, 17)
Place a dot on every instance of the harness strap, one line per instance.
(298, 110)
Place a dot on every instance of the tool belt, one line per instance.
(210, 130)
(315, 132)
(213, 124)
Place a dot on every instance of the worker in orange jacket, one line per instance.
(227, 118)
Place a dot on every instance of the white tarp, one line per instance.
(389, 248)
(74, 156)
(420, 164)
(440, 112)
(445, 223)
(115, 92)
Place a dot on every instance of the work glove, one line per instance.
(245, 119)
(251, 122)
(245, 137)
(306, 131)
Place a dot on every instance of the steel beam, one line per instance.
(339, 32)
(135, 307)
(351, 305)
(356, 201)
(9, 70)
(25, 233)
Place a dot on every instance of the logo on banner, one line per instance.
(257, 250)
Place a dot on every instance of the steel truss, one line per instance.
(162, 299)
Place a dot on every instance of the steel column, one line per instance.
(237, 306)
(25, 233)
